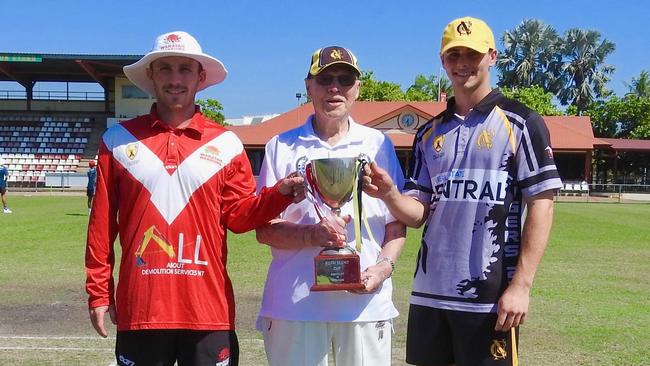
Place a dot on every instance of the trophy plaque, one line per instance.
(332, 182)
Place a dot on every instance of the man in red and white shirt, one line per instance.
(170, 184)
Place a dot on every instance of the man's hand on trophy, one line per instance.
(293, 185)
(377, 182)
(328, 232)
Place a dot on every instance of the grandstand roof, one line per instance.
(26, 68)
(568, 133)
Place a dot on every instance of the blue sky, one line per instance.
(266, 45)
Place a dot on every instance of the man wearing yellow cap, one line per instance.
(477, 168)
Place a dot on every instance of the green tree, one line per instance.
(534, 98)
(426, 88)
(376, 90)
(627, 117)
(640, 86)
(213, 109)
(528, 51)
(582, 74)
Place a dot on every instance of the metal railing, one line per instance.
(52, 95)
(597, 192)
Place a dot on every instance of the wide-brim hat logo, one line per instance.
(175, 44)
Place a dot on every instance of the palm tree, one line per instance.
(582, 74)
(528, 51)
(640, 86)
(427, 88)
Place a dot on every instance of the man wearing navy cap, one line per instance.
(301, 327)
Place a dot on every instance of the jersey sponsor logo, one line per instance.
(176, 267)
(512, 243)
(154, 234)
(437, 142)
(472, 185)
(170, 192)
(498, 349)
(211, 153)
(484, 139)
(131, 150)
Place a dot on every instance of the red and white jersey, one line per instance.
(170, 194)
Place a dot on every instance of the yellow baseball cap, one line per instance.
(467, 32)
(332, 55)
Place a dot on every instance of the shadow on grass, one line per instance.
(76, 214)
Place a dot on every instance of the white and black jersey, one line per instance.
(476, 172)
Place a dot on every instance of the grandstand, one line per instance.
(53, 133)
(49, 133)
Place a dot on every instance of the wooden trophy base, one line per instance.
(337, 270)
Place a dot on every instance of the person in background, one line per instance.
(300, 326)
(476, 169)
(4, 177)
(170, 184)
(90, 188)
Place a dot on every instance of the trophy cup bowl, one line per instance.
(332, 181)
(334, 178)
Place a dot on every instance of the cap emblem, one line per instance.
(336, 54)
(464, 28)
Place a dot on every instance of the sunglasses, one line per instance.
(343, 79)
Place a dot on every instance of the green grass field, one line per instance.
(591, 299)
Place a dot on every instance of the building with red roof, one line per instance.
(572, 137)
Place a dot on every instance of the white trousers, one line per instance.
(298, 343)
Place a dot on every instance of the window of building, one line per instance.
(133, 92)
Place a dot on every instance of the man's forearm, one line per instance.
(283, 234)
(406, 209)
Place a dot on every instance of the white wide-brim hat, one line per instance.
(175, 44)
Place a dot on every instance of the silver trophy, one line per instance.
(330, 183)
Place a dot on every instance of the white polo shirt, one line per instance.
(291, 272)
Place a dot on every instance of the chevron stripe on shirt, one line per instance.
(170, 195)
